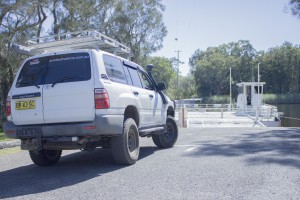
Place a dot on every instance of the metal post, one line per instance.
(258, 73)
(230, 90)
(183, 117)
(178, 62)
(258, 99)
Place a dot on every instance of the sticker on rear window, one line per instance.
(34, 62)
(68, 58)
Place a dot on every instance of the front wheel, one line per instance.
(169, 138)
(45, 157)
(125, 148)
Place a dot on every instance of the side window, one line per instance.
(147, 84)
(114, 69)
(135, 77)
(32, 72)
(126, 69)
(257, 89)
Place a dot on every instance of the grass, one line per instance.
(293, 98)
(9, 151)
(221, 99)
(2, 136)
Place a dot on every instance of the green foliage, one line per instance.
(294, 7)
(187, 87)
(222, 99)
(211, 67)
(2, 136)
(275, 99)
(139, 24)
(136, 23)
(162, 71)
(279, 68)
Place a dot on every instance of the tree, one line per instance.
(138, 24)
(187, 87)
(163, 72)
(281, 69)
(211, 68)
(294, 7)
(17, 18)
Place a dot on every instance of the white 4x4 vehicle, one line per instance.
(86, 98)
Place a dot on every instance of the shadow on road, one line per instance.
(265, 147)
(71, 169)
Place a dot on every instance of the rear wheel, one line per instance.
(45, 157)
(125, 148)
(169, 138)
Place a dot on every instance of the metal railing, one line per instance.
(207, 107)
(263, 113)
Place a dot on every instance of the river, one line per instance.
(290, 110)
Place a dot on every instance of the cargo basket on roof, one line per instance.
(88, 39)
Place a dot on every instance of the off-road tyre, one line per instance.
(125, 148)
(169, 138)
(45, 157)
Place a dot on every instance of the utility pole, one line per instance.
(258, 76)
(178, 62)
(230, 89)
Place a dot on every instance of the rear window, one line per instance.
(58, 68)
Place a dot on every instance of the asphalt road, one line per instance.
(206, 163)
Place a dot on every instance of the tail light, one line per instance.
(8, 107)
(101, 99)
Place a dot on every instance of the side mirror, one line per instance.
(161, 86)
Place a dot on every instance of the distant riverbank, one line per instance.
(273, 99)
(291, 117)
(282, 98)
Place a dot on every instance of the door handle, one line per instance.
(151, 96)
(135, 93)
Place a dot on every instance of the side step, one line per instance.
(153, 130)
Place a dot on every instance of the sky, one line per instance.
(199, 24)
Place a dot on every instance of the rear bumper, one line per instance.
(106, 125)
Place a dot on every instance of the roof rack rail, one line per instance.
(88, 39)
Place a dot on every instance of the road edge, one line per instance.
(9, 144)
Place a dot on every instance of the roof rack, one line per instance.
(88, 39)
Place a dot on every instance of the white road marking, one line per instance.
(187, 145)
(191, 149)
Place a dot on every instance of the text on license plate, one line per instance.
(24, 105)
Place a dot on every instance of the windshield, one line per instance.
(50, 69)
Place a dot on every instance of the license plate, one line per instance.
(25, 105)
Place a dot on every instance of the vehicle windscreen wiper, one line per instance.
(64, 78)
(27, 83)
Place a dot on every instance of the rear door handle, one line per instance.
(135, 93)
(151, 96)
